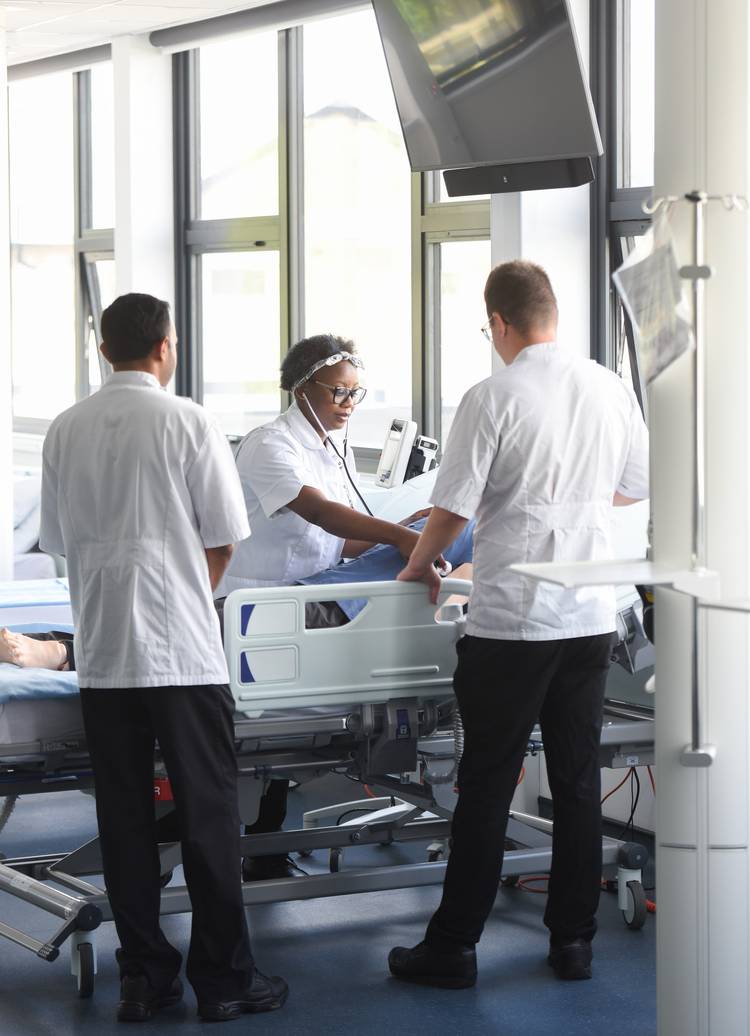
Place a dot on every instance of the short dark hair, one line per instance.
(302, 356)
(522, 294)
(133, 325)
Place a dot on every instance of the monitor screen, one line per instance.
(482, 82)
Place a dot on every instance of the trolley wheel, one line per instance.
(85, 976)
(509, 881)
(304, 854)
(434, 855)
(164, 879)
(636, 911)
(335, 860)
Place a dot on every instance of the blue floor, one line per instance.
(333, 952)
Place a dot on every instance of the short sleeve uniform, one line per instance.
(536, 453)
(137, 483)
(275, 462)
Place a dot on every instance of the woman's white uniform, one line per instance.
(275, 462)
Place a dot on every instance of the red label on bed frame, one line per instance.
(163, 790)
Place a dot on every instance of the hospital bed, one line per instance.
(371, 699)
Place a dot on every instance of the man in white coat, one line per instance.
(141, 495)
(539, 452)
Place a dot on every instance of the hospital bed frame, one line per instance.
(302, 713)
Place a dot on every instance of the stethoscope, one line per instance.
(328, 441)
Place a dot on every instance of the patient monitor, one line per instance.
(396, 453)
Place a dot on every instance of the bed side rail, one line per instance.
(394, 648)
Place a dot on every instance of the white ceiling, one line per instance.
(39, 28)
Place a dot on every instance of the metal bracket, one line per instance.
(696, 273)
(699, 757)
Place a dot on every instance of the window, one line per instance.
(465, 354)
(42, 229)
(623, 83)
(300, 215)
(241, 350)
(239, 128)
(102, 146)
(229, 312)
(636, 85)
(358, 213)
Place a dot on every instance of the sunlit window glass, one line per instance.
(637, 165)
(465, 354)
(42, 221)
(239, 127)
(357, 213)
(241, 344)
(105, 279)
(102, 146)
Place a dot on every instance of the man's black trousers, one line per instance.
(194, 728)
(502, 687)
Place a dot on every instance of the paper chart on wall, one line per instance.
(651, 290)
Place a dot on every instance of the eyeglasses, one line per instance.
(485, 328)
(340, 394)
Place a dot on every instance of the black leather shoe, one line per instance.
(571, 960)
(263, 994)
(266, 868)
(448, 969)
(139, 1001)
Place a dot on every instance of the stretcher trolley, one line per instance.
(372, 700)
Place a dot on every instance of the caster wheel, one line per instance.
(304, 854)
(636, 911)
(509, 881)
(165, 879)
(435, 855)
(85, 976)
(335, 860)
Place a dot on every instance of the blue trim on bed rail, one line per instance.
(246, 675)
(246, 611)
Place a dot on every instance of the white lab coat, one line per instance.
(275, 462)
(136, 484)
(537, 452)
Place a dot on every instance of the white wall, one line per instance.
(703, 860)
(6, 398)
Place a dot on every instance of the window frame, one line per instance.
(89, 245)
(615, 211)
(432, 222)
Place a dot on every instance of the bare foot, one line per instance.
(30, 653)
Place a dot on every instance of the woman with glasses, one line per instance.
(306, 515)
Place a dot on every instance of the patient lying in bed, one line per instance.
(54, 650)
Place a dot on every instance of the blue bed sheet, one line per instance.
(35, 684)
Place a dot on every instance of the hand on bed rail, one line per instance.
(441, 530)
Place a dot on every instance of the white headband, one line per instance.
(329, 361)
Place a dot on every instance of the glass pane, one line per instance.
(105, 272)
(102, 146)
(241, 338)
(357, 213)
(42, 225)
(239, 134)
(638, 147)
(465, 354)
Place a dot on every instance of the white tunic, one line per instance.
(275, 462)
(537, 452)
(136, 484)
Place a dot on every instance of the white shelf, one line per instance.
(697, 583)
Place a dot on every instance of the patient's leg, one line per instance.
(40, 651)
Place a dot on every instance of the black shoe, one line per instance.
(263, 994)
(139, 1001)
(266, 868)
(572, 960)
(448, 969)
